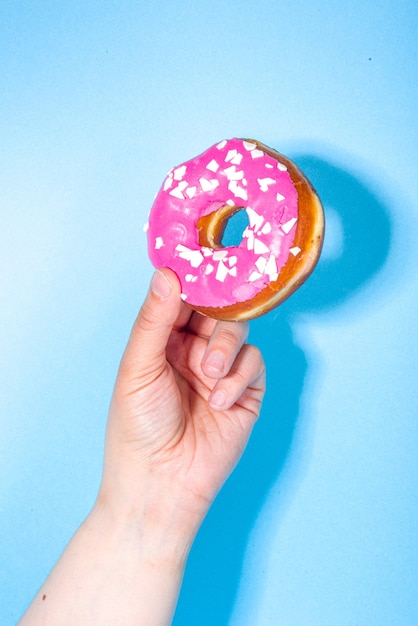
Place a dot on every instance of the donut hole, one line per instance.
(234, 229)
(223, 228)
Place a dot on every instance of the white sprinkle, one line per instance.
(159, 243)
(232, 173)
(236, 160)
(250, 236)
(190, 278)
(183, 296)
(232, 260)
(219, 255)
(266, 229)
(260, 247)
(231, 154)
(179, 172)
(196, 258)
(209, 269)
(248, 145)
(181, 248)
(256, 154)
(233, 271)
(279, 197)
(261, 264)
(206, 251)
(254, 276)
(177, 193)
(238, 191)
(269, 165)
(145, 227)
(212, 166)
(221, 272)
(221, 144)
(273, 277)
(287, 226)
(271, 266)
(254, 218)
(265, 182)
(281, 167)
(230, 202)
(168, 182)
(205, 184)
(214, 182)
(185, 255)
(191, 191)
(295, 250)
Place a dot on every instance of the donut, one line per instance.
(280, 245)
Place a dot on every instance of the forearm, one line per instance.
(115, 571)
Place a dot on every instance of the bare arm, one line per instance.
(188, 392)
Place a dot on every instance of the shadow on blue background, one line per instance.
(214, 568)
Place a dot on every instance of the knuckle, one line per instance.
(253, 363)
(226, 338)
(146, 319)
(253, 355)
(232, 334)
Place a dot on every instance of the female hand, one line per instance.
(188, 392)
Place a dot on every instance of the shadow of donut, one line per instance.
(215, 564)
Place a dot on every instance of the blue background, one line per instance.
(317, 526)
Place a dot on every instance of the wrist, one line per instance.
(158, 519)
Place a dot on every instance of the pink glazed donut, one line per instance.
(280, 246)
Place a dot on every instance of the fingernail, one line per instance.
(215, 361)
(160, 285)
(218, 399)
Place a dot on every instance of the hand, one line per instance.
(186, 397)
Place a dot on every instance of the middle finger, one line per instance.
(223, 346)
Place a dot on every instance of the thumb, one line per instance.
(145, 352)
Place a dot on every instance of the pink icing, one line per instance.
(232, 172)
